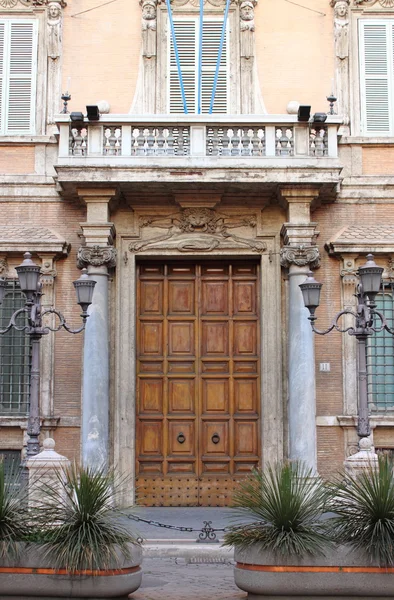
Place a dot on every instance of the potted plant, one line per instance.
(71, 543)
(292, 547)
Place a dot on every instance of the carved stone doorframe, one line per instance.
(125, 347)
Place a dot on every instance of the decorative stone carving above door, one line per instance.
(197, 230)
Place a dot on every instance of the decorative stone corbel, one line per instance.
(97, 256)
(4, 270)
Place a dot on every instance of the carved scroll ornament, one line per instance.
(300, 256)
(97, 256)
(197, 230)
(383, 3)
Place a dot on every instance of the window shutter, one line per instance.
(212, 31)
(377, 70)
(18, 64)
(185, 32)
(2, 74)
(22, 77)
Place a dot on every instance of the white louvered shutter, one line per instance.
(185, 33)
(377, 77)
(187, 38)
(2, 75)
(212, 31)
(19, 76)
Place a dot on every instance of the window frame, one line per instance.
(388, 22)
(24, 377)
(195, 18)
(234, 57)
(380, 376)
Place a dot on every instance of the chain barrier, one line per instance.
(207, 533)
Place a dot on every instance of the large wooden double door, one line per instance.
(198, 383)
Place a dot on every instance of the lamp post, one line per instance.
(29, 281)
(366, 324)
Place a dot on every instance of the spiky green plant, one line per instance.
(14, 525)
(81, 521)
(284, 505)
(364, 507)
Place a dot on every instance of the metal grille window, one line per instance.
(14, 357)
(380, 357)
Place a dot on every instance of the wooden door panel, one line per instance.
(245, 338)
(181, 338)
(215, 439)
(244, 295)
(151, 298)
(151, 439)
(181, 396)
(214, 298)
(245, 396)
(181, 439)
(198, 381)
(151, 396)
(215, 338)
(215, 396)
(246, 439)
(151, 338)
(181, 296)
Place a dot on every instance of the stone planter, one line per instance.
(33, 575)
(342, 573)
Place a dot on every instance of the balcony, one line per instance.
(193, 150)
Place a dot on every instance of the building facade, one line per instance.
(209, 175)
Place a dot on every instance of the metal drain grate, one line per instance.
(208, 559)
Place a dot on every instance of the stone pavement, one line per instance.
(175, 567)
(183, 579)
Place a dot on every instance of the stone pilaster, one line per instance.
(98, 255)
(48, 275)
(299, 255)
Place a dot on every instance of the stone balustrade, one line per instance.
(266, 136)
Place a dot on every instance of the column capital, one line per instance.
(98, 234)
(96, 194)
(97, 256)
(299, 234)
(300, 256)
(305, 193)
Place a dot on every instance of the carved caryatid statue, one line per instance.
(54, 24)
(246, 15)
(341, 37)
(341, 22)
(54, 53)
(149, 11)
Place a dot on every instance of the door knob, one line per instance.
(215, 438)
(181, 438)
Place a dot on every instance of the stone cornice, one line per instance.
(96, 256)
(300, 256)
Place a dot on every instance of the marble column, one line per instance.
(95, 392)
(301, 378)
